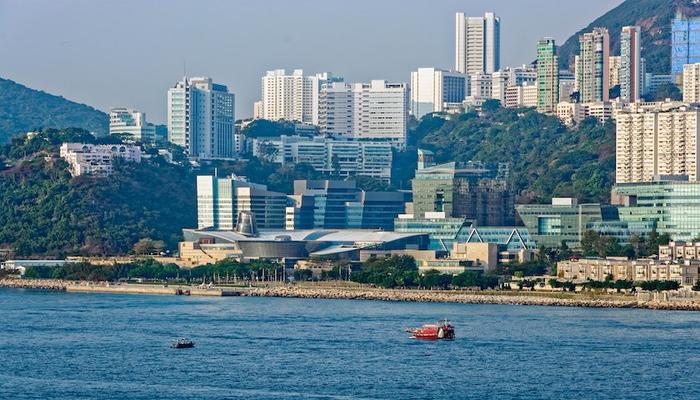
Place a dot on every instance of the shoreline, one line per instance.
(558, 299)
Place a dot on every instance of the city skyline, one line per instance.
(140, 64)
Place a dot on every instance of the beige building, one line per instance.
(618, 268)
(657, 141)
(691, 83)
(426, 260)
(680, 251)
(570, 113)
(482, 254)
(521, 96)
(614, 70)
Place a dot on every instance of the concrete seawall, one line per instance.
(357, 293)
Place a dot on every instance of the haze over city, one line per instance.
(109, 54)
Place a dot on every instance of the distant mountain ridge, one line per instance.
(653, 16)
(24, 109)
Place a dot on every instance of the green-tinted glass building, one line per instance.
(563, 220)
(547, 76)
(673, 206)
(468, 190)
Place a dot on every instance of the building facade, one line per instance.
(332, 204)
(477, 44)
(592, 67)
(375, 111)
(685, 43)
(547, 76)
(656, 141)
(221, 200)
(470, 190)
(201, 118)
(132, 125)
(631, 72)
(673, 206)
(691, 83)
(619, 268)
(292, 97)
(437, 90)
(339, 157)
(96, 159)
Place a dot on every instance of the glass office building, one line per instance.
(685, 42)
(672, 206)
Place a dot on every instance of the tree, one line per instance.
(302, 274)
(667, 91)
(148, 246)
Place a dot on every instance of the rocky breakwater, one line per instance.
(44, 284)
(440, 296)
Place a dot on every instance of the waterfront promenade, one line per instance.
(356, 292)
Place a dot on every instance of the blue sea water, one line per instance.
(98, 346)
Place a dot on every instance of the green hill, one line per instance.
(23, 109)
(546, 158)
(46, 212)
(653, 16)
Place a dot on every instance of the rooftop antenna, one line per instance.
(184, 68)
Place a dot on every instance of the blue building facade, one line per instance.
(685, 42)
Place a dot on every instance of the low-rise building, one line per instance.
(96, 159)
(620, 268)
(680, 251)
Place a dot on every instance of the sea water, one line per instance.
(57, 345)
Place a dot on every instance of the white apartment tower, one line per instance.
(131, 123)
(437, 90)
(631, 74)
(292, 97)
(691, 83)
(657, 141)
(201, 118)
(477, 44)
(376, 111)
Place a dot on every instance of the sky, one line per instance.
(127, 53)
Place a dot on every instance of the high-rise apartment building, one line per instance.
(547, 76)
(592, 66)
(477, 44)
(657, 141)
(131, 124)
(631, 73)
(292, 97)
(220, 200)
(376, 111)
(437, 90)
(685, 43)
(521, 96)
(201, 118)
(338, 157)
(614, 68)
(691, 83)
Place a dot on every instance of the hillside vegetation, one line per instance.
(546, 158)
(653, 16)
(44, 211)
(23, 109)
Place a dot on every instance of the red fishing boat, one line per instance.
(443, 330)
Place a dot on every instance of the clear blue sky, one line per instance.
(128, 52)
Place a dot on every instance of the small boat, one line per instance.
(443, 330)
(183, 343)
